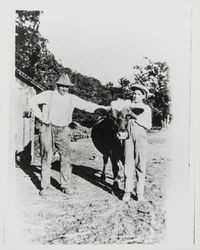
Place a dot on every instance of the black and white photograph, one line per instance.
(100, 123)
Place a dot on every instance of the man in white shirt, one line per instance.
(136, 144)
(56, 114)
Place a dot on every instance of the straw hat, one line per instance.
(141, 87)
(64, 80)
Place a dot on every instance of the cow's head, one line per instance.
(120, 121)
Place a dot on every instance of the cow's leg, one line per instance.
(105, 163)
(115, 169)
(121, 173)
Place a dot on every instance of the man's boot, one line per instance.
(44, 191)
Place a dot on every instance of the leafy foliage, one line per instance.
(36, 61)
(155, 76)
(32, 54)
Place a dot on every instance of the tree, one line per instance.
(155, 76)
(124, 83)
(109, 85)
(32, 54)
(35, 60)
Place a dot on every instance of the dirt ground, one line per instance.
(92, 214)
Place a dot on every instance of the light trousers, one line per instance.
(55, 138)
(135, 159)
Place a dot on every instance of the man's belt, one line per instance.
(56, 126)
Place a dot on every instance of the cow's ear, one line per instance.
(114, 112)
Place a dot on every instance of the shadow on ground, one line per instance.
(90, 174)
(23, 161)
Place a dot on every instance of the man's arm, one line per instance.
(119, 104)
(86, 105)
(42, 98)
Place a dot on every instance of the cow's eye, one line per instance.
(114, 118)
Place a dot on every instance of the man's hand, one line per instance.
(100, 112)
(131, 115)
(45, 121)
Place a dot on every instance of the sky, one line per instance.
(105, 39)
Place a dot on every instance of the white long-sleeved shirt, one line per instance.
(145, 118)
(59, 108)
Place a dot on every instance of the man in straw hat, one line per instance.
(56, 114)
(136, 144)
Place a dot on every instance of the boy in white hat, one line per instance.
(136, 144)
(56, 114)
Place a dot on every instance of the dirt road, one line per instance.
(92, 214)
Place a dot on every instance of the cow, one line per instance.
(108, 136)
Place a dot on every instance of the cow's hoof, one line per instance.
(134, 196)
(115, 186)
(103, 177)
(126, 197)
